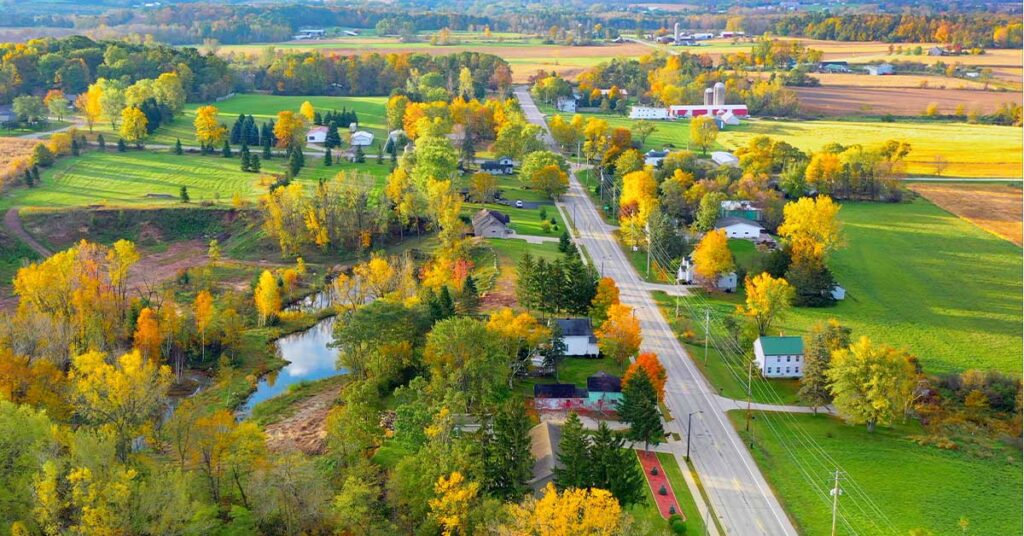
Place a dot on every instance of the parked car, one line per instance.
(519, 203)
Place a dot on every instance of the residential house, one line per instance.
(739, 227)
(491, 224)
(360, 138)
(501, 166)
(687, 275)
(881, 69)
(316, 135)
(566, 104)
(604, 391)
(654, 158)
(779, 357)
(578, 337)
(544, 443)
(722, 158)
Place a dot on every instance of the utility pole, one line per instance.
(647, 231)
(707, 335)
(689, 421)
(836, 492)
(750, 374)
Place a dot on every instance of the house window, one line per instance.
(787, 359)
(787, 370)
(796, 370)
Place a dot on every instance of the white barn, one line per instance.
(779, 357)
(647, 112)
(739, 227)
(316, 135)
(578, 336)
(361, 138)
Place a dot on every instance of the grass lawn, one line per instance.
(574, 370)
(1000, 157)
(919, 278)
(647, 510)
(124, 179)
(369, 110)
(914, 486)
(510, 250)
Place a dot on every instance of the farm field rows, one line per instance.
(993, 207)
(862, 100)
(125, 179)
(921, 279)
(913, 486)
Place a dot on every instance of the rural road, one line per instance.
(738, 492)
(13, 224)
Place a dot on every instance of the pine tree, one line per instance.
(639, 408)
(360, 156)
(183, 194)
(328, 161)
(226, 150)
(121, 145)
(245, 159)
(254, 163)
(508, 463)
(265, 140)
(177, 147)
(823, 339)
(252, 132)
(29, 181)
(444, 298)
(380, 153)
(333, 138)
(565, 243)
(573, 469)
(613, 466)
(75, 151)
(35, 174)
(294, 164)
(318, 119)
(101, 143)
(236, 129)
(469, 300)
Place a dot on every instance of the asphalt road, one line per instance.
(738, 492)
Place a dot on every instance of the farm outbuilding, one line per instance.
(739, 227)
(880, 69)
(316, 135)
(722, 158)
(491, 224)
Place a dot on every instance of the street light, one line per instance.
(689, 421)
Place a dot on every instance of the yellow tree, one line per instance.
(203, 311)
(290, 129)
(89, 104)
(768, 299)
(133, 126)
(572, 512)
(870, 383)
(619, 335)
(812, 227)
(267, 297)
(455, 497)
(147, 337)
(226, 452)
(483, 186)
(120, 259)
(821, 171)
(712, 257)
(209, 131)
(607, 295)
(516, 334)
(377, 275)
(703, 132)
(551, 180)
(118, 397)
(307, 111)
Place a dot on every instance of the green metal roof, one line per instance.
(782, 345)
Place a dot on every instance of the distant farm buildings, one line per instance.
(880, 69)
(714, 105)
(722, 158)
(305, 35)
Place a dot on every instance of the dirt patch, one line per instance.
(853, 100)
(995, 208)
(155, 268)
(305, 429)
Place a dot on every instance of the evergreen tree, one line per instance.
(29, 181)
(580, 287)
(639, 408)
(254, 163)
(121, 145)
(294, 164)
(394, 159)
(183, 194)
(235, 136)
(333, 138)
(554, 353)
(447, 304)
(565, 243)
(35, 174)
(226, 150)
(245, 159)
(526, 270)
(252, 132)
(467, 150)
(469, 300)
(573, 469)
(101, 143)
(328, 161)
(380, 153)
(813, 283)
(508, 462)
(318, 119)
(301, 156)
(177, 147)
(823, 339)
(360, 157)
(267, 153)
(613, 466)
(75, 151)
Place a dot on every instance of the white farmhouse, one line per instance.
(566, 104)
(688, 276)
(653, 158)
(316, 135)
(739, 227)
(779, 357)
(647, 112)
(578, 336)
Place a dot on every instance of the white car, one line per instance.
(519, 204)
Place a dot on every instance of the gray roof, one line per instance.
(734, 220)
(544, 440)
(483, 217)
(575, 327)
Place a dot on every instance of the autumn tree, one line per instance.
(306, 110)
(516, 139)
(267, 297)
(812, 228)
(209, 131)
(455, 498)
(606, 296)
(88, 103)
(820, 343)
(593, 512)
(768, 299)
(226, 453)
(517, 336)
(870, 383)
(703, 132)
(654, 369)
(712, 258)
(118, 397)
(133, 126)
(461, 354)
(551, 180)
(641, 130)
(482, 187)
(203, 313)
(290, 130)
(147, 338)
(619, 335)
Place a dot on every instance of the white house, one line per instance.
(578, 336)
(501, 166)
(316, 135)
(360, 138)
(566, 104)
(653, 158)
(647, 112)
(687, 276)
(491, 224)
(723, 158)
(779, 357)
(739, 227)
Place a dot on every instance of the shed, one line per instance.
(491, 224)
(722, 158)
(557, 390)
(728, 118)
(360, 138)
(739, 227)
(881, 69)
(316, 135)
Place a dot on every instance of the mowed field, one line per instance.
(912, 486)
(993, 207)
(836, 100)
(154, 178)
(369, 110)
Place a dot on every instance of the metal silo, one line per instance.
(709, 97)
(719, 94)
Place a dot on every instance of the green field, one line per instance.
(369, 110)
(922, 279)
(914, 486)
(980, 151)
(112, 178)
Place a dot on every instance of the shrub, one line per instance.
(545, 227)
(678, 527)
(654, 471)
(662, 490)
(42, 156)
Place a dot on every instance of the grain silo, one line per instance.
(675, 33)
(719, 94)
(709, 97)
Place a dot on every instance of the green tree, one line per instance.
(819, 344)
(27, 440)
(574, 466)
(703, 132)
(469, 299)
(225, 151)
(183, 194)
(614, 466)
(177, 147)
(565, 243)
(707, 212)
(508, 462)
(328, 160)
(639, 408)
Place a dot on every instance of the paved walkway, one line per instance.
(729, 404)
(533, 239)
